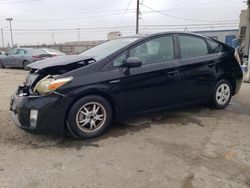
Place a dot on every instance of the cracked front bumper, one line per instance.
(51, 111)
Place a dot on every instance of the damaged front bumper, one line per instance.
(39, 114)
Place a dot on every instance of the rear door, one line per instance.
(198, 67)
(156, 83)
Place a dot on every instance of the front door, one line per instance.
(156, 83)
(19, 57)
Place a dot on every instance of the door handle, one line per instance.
(211, 65)
(173, 73)
(114, 81)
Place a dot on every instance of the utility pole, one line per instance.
(2, 37)
(78, 33)
(137, 16)
(52, 38)
(10, 20)
(247, 79)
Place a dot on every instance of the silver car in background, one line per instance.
(21, 57)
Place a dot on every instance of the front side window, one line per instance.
(192, 46)
(154, 51)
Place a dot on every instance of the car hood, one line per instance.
(59, 61)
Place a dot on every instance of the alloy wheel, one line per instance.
(91, 117)
(223, 94)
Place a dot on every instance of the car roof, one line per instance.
(164, 33)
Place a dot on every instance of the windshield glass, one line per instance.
(12, 51)
(34, 51)
(101, 51)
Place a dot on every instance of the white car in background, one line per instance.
(53, 51)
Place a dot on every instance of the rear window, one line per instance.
(215, 47)
(192, 46)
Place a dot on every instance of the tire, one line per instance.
(25, 63)
(222, 94)
(89, 117)
(1, 65)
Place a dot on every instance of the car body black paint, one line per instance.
(149, 87)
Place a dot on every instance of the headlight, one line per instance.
(47, 84)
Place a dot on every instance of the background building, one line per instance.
(225, 36)
(113, 35)
(244, 32)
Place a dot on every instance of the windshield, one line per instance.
(101, 51)
(12, 51)
(34, 51)
(50, 50)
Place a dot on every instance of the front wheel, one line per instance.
(89, 117)
(222, 94)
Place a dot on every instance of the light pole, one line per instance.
(137, 16)
(52, 38)
(10, 20)
(78, 33)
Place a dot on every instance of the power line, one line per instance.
(125, 11)
(181, 18)
(15, 2)
(75, 18)
(124, 27)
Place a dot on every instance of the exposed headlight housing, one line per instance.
(48, 84)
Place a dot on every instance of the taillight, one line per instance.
(237, 57)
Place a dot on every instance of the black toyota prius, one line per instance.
(124, 77)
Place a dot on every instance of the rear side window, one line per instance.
(192, 46)
(154, 51)
(21, 52)
(215, 47)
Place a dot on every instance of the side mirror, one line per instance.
(132, 62)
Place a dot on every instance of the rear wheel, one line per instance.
(222, 94)
(89, 117)
(25, 63)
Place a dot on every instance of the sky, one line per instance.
(59, 21)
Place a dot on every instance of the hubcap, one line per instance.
(223, 94)
(91, 117)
